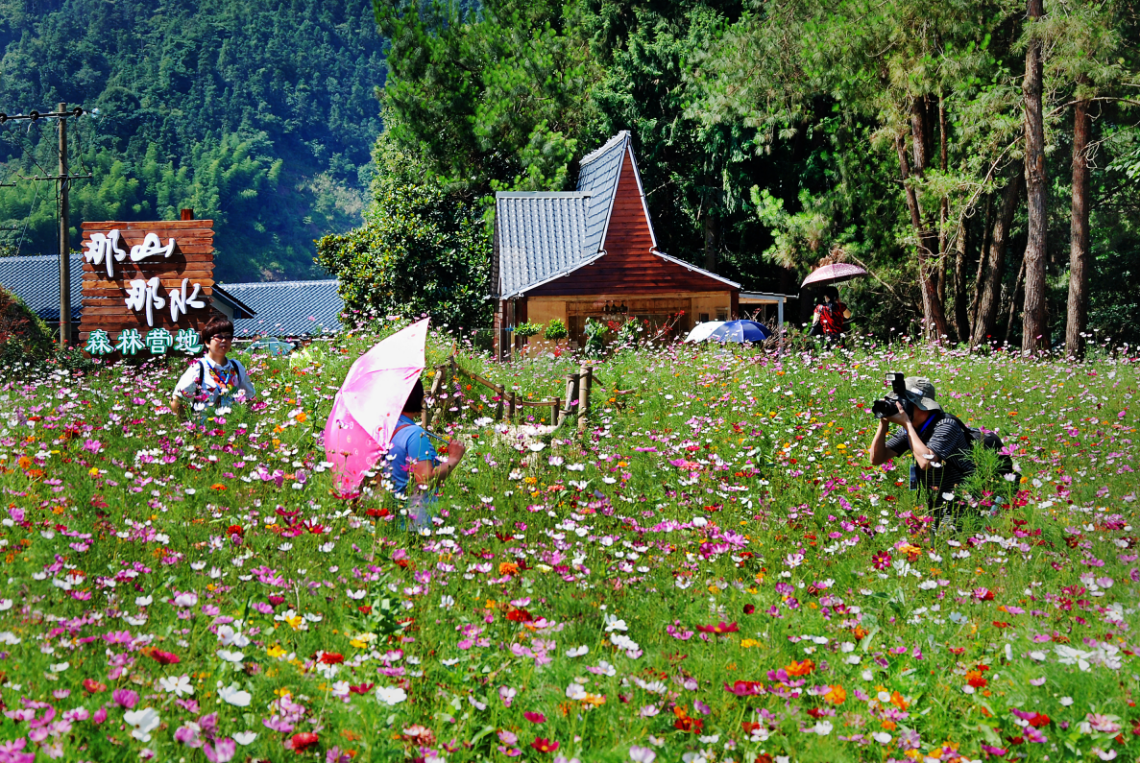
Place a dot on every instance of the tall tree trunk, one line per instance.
(1077, 318)
(944, 207)
(982, 250)
(1035, 332)
(961, 318)
(989, 289)
(1013, 303)
(710, 241)
(934, 317)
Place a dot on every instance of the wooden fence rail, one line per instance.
(577, 400)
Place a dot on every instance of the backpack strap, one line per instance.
(201, 374)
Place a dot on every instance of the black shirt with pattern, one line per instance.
(949, 441)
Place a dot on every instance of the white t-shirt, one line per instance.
(220, 383)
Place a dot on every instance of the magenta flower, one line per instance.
(125, 698)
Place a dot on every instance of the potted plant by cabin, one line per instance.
(556, 332)
(525, 331)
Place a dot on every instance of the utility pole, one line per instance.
(64, 239)
(64, 180)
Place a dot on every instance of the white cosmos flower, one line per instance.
(326, 548)
(5, 605)
(577, 651)
(245, 738)
(230, 637)
(234, 695)
(9, 638)
(230, 656)
(177, 685)
(357, 595)
(285, 547)
(881, 737)
(142, 722)
(391, 695)
(575, 467)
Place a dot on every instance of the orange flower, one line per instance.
(837, 695)
(898, 701)
(508, 568)
(800, 668)
(974, 678)
(302, 417)
(217, 486)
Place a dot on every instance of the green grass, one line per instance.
(724, 488)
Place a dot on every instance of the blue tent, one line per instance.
(741, 332)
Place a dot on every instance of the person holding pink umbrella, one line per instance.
(830, 317)
(413, 461)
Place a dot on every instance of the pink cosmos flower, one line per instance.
(535, 717)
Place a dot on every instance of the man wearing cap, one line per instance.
(940, 445)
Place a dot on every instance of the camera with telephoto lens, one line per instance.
(886, 407)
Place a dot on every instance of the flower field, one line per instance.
(712, 572)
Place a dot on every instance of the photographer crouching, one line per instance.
(939, 442)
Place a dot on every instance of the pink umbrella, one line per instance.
(841, 271)
(369, 403)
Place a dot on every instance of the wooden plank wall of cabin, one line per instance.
(104, 300)
(628, 266)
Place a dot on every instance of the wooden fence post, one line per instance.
(554, 411)
(437, 382)
(571, 393)
(584, 398)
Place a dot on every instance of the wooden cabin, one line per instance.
(592, 253)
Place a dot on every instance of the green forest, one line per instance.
(259, 114)
(979, 157)
(774, 135)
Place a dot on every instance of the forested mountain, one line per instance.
(258, 113)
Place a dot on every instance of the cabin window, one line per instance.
(722, 315)
(704, 317)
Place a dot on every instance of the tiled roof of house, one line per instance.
(539, 236)
(35, 279)
(288, 308)
(599, 178)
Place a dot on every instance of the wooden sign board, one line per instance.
(147, 286)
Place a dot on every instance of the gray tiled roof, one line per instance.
(599, 178)
(539, 236)
(35, 279)
(288, 308)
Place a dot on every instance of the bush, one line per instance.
(556, 330)
(24, 337)
(528, 329)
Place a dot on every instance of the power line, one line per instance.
(64, 180)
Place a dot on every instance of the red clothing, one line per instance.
(831, 320)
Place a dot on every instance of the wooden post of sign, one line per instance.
(511, 403)
(65, 334)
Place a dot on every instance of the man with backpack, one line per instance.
(940, 442)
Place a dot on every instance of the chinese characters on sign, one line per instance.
(130, 342)
(147, 286)
(104, 249)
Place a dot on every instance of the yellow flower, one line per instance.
(283, 692)
(94, 471)
(275, 651)
(748, 643)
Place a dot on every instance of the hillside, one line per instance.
(257, 113)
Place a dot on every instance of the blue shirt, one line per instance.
(409, 445)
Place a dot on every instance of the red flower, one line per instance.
(544, 745)
(745, 688)
(377, 513)
(301, 742)
(361, 688)
(1000, 624)
(164, 658)
(685, 723)
(235, 530)
(721, 627)
(92, 686)
(516, 615)
(749, 609)
(535, 717)
(330, 658)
